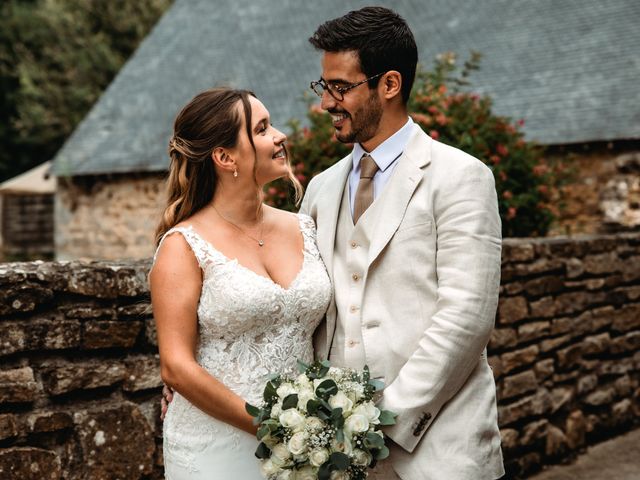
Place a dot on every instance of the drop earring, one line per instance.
(235, 172)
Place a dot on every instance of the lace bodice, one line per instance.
(249, 326)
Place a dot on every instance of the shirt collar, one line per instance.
(388, 151)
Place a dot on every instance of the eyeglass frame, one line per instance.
(340, 90)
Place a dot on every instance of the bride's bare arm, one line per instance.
(176, 282)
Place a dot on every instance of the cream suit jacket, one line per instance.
(428, 305)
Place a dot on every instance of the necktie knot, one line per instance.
(368, 167)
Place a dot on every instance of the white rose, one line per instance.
(344, 447)
(340, 400)
(314, 424)
(268, 468)
(276, 410)
(303, 398)
(360, 457)
(306, 473)
(318, 456)
(356, 423)
(291, 418)
(339, 475)
(285, 389)
(297, 443)
(281, 451)
(285, 475)
(370, 411)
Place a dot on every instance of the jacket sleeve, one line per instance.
(468, 271)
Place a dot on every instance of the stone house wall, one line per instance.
(107, 217)
(604, 194)
(26, 226)
(79, 372)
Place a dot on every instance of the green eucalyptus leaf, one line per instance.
(302, 367)
(270, 392)
(387, 417)
(382, 453)
(251, 410)
(263, 431)
(339, 460)
(324, 472)
(373, 440)
(290, 401)
(326, 389)
(262, 451)
(378, 385)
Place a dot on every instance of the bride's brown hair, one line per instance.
(210, 120)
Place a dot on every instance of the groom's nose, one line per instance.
(327, 101)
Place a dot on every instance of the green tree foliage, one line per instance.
(56, 57)
(526, 183)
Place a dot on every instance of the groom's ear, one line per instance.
(391, 84)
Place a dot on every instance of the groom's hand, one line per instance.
(167, 396)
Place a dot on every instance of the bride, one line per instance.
(237, 287)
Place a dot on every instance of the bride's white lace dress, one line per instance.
(249, 326)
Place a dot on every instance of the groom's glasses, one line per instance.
(320, 86)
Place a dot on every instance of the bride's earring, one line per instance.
(235, 172)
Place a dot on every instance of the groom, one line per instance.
(409, 231)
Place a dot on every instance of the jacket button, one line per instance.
(355, 277)
(354, 245)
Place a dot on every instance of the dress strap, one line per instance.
(308, 229)
(201, 249)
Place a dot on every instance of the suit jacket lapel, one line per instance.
(398, 192)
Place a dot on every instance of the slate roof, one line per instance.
(569, 68)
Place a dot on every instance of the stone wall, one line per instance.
(604, 194)
(107, 217)
(565, 351)
(79, 376)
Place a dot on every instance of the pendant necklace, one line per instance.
(259, 241)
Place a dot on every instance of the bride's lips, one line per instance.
(282, 153)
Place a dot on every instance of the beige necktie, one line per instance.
(364, 194)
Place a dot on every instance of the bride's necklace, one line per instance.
(259, 241)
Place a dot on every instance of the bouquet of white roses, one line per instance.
(322, 425)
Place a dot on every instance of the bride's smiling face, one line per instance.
(270, 157)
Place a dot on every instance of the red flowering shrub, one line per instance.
(526, 184)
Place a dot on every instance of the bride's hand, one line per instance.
(167, 396)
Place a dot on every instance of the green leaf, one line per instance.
(290, 401)
(387, 417)
(302, 367)
(378, 385)
(324, 472)
(339, 460)
(340, 435)
(270, 395)
(263, 451)
(263, 431)
(326, 389)
(382, 453)
(373, 441)
(251, 410)
(337, 420)
(313, 406)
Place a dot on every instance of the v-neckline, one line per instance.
(264, 277)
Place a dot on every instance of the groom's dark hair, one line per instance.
(381, 38)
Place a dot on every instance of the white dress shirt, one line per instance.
(386, 157)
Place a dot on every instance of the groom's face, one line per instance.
(356, 118)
